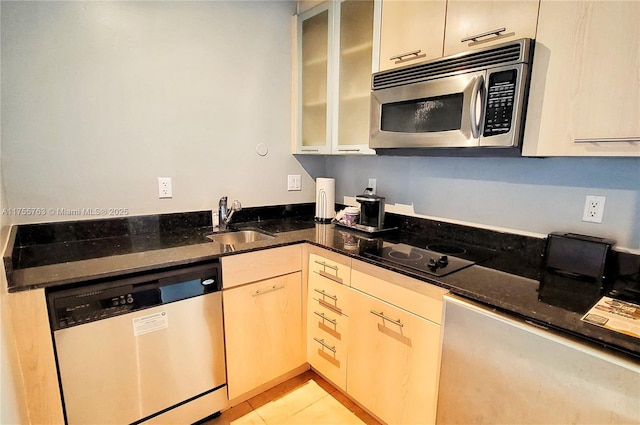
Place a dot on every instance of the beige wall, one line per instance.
(12, 403)
(99, 99)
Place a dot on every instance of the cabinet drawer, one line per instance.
(410, 294)
(325, 320)
(331, 268)
(328, 356)
(253, 266)
(326, 296)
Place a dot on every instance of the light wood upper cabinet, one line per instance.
(483, 19)
(411, 26)
(585, 88)
(334, 53)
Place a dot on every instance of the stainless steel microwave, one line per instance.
(475, 99)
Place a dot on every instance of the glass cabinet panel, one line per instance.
(356, 45)
(315, 53)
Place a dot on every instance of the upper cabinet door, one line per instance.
(585, 87)
(314, 44)
(354, 81)
(411, 32)
(473, 24)
(334, 64)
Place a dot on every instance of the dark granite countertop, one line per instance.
(55, 255)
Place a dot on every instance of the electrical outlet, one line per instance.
(593, 209)
(372, 185)
(294, 182)
(164, 188)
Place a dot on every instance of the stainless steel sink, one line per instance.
(240, 237)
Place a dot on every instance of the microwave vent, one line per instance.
(504, 54)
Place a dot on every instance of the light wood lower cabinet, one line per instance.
(327, 321)
(394, 359)
(375, 334)
(394, 346)
(263, 331)
(35, 364)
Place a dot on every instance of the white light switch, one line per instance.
(294, 182)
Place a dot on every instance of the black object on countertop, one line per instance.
(577, 270)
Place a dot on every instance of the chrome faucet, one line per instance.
(225, 214)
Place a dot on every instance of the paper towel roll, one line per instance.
(325, 199)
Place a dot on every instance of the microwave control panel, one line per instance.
(500, 100)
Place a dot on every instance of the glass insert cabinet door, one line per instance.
(335, 42)
(314, 76)
(354, 91)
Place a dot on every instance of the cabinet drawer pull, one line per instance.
(274, 288)
(332, 321)
(324, 273)
(348, 150)
(325, 345)
(323, 264)
(333, 308)
(412, 56)
(310, 150)
(381, 314)
(324, 294)
(484, 34)
(609, 140)
(330, 276)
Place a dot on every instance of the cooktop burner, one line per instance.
(405, 256)
(446, 249)
(431, 261)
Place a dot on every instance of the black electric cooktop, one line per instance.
(437, 259)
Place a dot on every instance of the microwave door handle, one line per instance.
(478, 87)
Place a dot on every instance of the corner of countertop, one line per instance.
(8, 238)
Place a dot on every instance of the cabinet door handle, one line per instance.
(261, 292)
(381, 314)
(325, 345)
(332, 321)
(609, 140)
(412, 56)
(324, 294)
(484, 34)
(310, 150)
(348, 150)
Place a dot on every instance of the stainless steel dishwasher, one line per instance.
(144, 349)
(497, 369)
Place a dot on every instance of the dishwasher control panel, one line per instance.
(98, 301)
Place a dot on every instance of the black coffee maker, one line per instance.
(371, 210)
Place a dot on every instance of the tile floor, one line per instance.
(306, 399)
